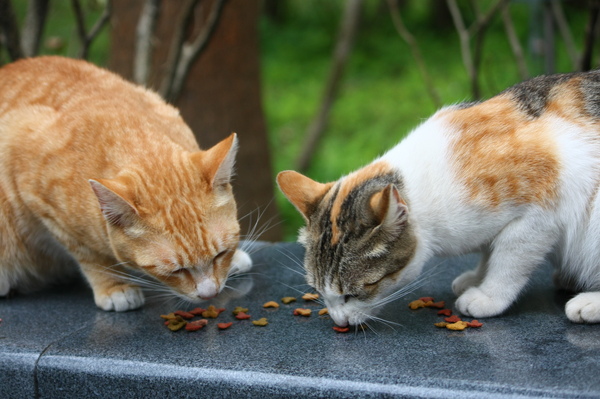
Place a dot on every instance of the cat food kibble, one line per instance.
(458, 326)
(426, 299)
(242, 316)
(445, 312)
(341, 329)
(184, 314)
(271, 304)
(310, 297)
(438, 305)
(239, 309)
(224, 326)
(474, 324)
(168, 316)
(196, 325)
(212, 312)
(288, 299)
(441, 324)
(176, 323)
(452, 319)
(302, 312)
(197, 311)
(323, 312)
(260, 322)
(416, 304)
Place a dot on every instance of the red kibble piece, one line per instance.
(445, 312)
(452, 319)
(197, 311)
(242, 316)
(426, 299)
(196, 325)
(224, 326)
(438, 305)
(341, 329)
(184, 314)
(220, 310)
(474, 324)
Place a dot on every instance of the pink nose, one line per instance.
(207, 289)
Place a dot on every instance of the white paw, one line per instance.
(4, 287)
(121, 298)
(465, 281)
(240, 263)
(584, 308)
(475, 303)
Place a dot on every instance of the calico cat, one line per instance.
(98, 172)
(516, 177)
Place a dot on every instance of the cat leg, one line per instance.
(240, 263)
(110, 291)
(471, 278)
(519, 248)
(584, 308)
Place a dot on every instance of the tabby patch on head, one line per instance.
(353, 252)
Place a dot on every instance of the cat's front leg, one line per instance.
(517, 250)
(110, 291)
(471, 278)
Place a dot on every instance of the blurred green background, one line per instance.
(382, 94)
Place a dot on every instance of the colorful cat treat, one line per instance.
(224, 326)
(184, 314)
(474, 324)
(310, 297)
(445, 312)
(438, 305)
(212, 312)
(441, 324)
(239, 309)
(197, 311)
(302, 312)
(341, 329)
(288, 299)
(416, 304)
(260, 322)
(242, 316)
(323, 312)
(452, 319)
(458, 326)
(176, 323)
(271, 304)
(196, 325)
(426, 299)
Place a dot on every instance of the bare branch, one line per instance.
(483, 20)
(34, 26)
(345, 40)
(191, 51)
(515, 45)
(416, 51)
(143, 44)
(565, 31)
(10, 30)
(180, 29)
(86, 38)
(464, 37)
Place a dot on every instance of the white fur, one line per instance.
(514, 239)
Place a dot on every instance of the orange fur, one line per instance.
(501, 155)
(64, 122)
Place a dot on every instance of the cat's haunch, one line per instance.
(516, 177)
(98, 172)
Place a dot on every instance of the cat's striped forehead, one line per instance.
(350, 192)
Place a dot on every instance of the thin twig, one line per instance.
(191, 51)
(10, 30)
(515, 45)
(143, 44)
(86, 38)
(415, 50)
(34, 26)
(565, 31)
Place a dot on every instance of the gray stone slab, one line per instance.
(531, 351)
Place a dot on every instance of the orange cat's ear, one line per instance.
(389, 209)
(116, 209)
(303, 192)
(217, 163)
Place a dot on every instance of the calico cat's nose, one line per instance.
(206, 289)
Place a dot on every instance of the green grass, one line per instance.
(382, 96)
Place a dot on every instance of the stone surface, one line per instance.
(57, 344)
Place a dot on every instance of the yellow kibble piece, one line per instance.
(271, 304)
(416, 304)
(288, 299)
(458, 326)
(310, 297)
(323, 312)
(260, 322)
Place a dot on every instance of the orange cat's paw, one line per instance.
(120, 298)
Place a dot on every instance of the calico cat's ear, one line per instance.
(116, 209)
(217, 162)
(389, 209)
(303, 192)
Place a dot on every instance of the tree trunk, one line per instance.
(220, 95)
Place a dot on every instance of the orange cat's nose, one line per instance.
(206, 289)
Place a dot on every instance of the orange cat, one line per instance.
(98, 171)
